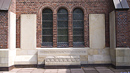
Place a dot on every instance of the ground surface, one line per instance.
(81, 70)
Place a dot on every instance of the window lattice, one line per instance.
(78, 28)
(62, 24)
(47, 27)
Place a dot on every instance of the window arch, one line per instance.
(78, 28)
(62, 28)
(47, 27)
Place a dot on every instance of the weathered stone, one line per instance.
(97, 31)
(28, 39)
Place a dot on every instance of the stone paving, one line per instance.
(81, 70)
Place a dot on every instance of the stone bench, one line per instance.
(62, 60)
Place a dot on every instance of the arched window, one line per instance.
(78, 28)
(47, 27)
(62, 28)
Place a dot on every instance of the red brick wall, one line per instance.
(12, 7)
(123, 27)
(3, 29)
(88, 6)
(122, 30)
(128, 17)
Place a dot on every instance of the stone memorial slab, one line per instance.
(64, 60)
(97, 31)
(28, 31)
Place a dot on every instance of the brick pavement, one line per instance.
(82, 70)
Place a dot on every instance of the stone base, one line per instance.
(40, 65)
(62, 66)
(121, 67)
(87, 55)
(6, 68)
(121, 57)
(48, 66)
(26, 66)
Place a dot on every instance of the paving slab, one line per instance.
(77, 71)
(91, 71)
(121, 72)
(118, 70)
(15, 69)
(25, 70)
(127, 70)
(89, 68)
(101, 67)
(9, 72)
(38, 71)
(63, 70)
(104, 71)
(50, 71)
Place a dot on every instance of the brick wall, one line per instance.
(3, 29)
(122, 27)
(128, 17)
(122, 33)
(12, 7)
(88, 6)
(111, 6)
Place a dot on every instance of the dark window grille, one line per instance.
(47, 28)
(78, 28)
(62, 24)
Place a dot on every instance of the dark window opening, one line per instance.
(47, 28)
(78, 28)
(62, 28)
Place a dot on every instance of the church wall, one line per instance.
(88, 7)
(36, 7)
(105, 42)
